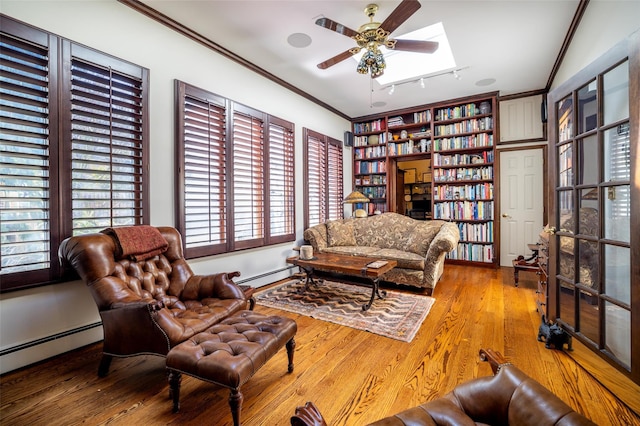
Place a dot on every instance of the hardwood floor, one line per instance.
(354, 377)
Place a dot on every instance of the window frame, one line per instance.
(227, 221)
(60, 53)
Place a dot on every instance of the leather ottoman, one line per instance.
(229, 354)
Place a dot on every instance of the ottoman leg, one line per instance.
(175, 378)
(291, 346)
(105, 363)
(235, 402)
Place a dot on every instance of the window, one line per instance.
(323, 175)
(72, 152)
(235, 175)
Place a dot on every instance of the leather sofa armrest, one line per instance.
(218, 285)
(317, 237)
(153, 305)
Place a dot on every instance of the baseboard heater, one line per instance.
(76, 330)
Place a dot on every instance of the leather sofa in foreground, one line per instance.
(418, 246)
(509, 397)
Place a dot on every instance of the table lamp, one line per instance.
(354, 198)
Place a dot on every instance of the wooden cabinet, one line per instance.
(521, 119)
(459, 139)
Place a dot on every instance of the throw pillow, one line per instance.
(340, 233)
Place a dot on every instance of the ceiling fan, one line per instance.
(372, 35)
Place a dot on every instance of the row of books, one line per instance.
(476, 232)
(370, 140)
(396, 121)
(370, 152)
(409, 147)
(482, 191)
(463, 210)
(461, 142)
(472, 252)
(466, 126)
(372, 180)
(370, 126)
(468, 110)
(463, 173)
(364, 167)
(373, 191)
(422, 116)
(462, 159)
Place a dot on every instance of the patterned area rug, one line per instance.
(398, 316)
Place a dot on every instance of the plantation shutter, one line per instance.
(106, 146)
(26, 183)
(316, 181)
(281, 181)
(334, 175)
(248, 178)
(203, 164)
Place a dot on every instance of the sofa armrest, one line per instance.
(317, 237)
(445, 240)
(218, 285)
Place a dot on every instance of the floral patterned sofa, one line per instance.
(418, 246)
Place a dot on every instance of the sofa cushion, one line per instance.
(384, 231)
(340, 233)
(405, 259)
(353, 250)
(422, 235)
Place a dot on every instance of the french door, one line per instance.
(594, 286)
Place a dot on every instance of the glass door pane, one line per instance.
(616, 94)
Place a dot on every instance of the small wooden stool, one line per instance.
(230, 353)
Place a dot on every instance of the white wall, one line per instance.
(605, 23)
(113, 28)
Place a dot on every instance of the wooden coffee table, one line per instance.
(355, 266)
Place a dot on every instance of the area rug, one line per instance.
(398, 316)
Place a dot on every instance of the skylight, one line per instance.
(403, 66)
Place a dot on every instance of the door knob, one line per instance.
(505, 215)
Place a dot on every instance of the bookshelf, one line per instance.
(370, 163)
(458, 137)
(463, 176)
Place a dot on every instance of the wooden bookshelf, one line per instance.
(459, 137)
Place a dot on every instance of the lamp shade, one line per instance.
(356, 197)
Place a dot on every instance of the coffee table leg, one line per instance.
(309, 279)
(375, 291)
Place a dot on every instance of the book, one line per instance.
(377, 264)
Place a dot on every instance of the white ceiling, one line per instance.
(515, 42)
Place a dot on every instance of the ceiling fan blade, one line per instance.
(400, 14)
(336, 59)
(419, 46)
(334, 26)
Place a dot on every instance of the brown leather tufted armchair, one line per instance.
(148, 306)
(509, 397)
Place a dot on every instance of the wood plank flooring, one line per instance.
(354, 377)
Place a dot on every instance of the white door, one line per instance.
(521, 202)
